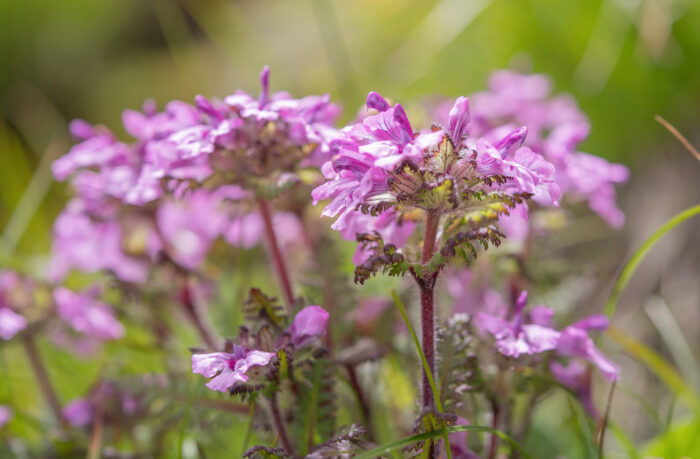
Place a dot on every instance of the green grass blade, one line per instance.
(624, 440)
(426, 367)
(389, 447)
(638, 257)
(656, 364)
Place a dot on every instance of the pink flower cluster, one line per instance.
(371, 157)
(556, 126)
(136, 202)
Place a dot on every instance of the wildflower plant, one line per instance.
(420, 202)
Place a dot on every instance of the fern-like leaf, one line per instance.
(315, 404)
(385, 259)
(259, 308)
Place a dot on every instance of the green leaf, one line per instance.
(389, 447)
(261, 308)
(441, 196)
(316, 406)
(426, 367)
(444, 156)
(634, 262)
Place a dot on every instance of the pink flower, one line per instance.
(78, 412)
(6, 415)
(227, 369)
(11, 323)
(309, 324)
(90, 246)
(577, 377)
(189, 227)
(87, 315)
(556, 126)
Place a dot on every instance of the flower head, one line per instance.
(515, 337)
(227, 369)
(308, 325)
(87, 315)
(382, 167)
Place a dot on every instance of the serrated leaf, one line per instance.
(440, 196)
(315, 420)
(442, 159)
(263, 452)
(259, 308)
(406, 180)
(484, 209)
(386, 258)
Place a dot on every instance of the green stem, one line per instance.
(248, 428)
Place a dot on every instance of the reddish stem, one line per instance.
(278, 424)
(493, 447)
(275, 252)
(191, 311)
(427, 306)
(42, 377)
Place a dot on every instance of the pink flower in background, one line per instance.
(6, 415)
(190, 226)
(575, 342)
(309, 324)
(247, 230)
(15, 294)
(90, 246)
(577, 377)
(227, 369)
(78, 412)
(515, 337)
(555, 127)
(11, 323)
(87, 315)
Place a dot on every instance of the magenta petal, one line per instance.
(309, 324)
(377, 102)
(459, 119)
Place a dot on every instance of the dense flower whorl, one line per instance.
(137, 203)
(381, 165)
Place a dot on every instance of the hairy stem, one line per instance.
(278, 424)
(42, 377)
(275, 252)
(428, 307)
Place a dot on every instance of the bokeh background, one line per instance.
(624, 61)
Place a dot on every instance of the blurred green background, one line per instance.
(624, 61)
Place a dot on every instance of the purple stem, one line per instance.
(191, 311)
(428, 307)
(42, 377)
(275, 252)
(278, 424)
